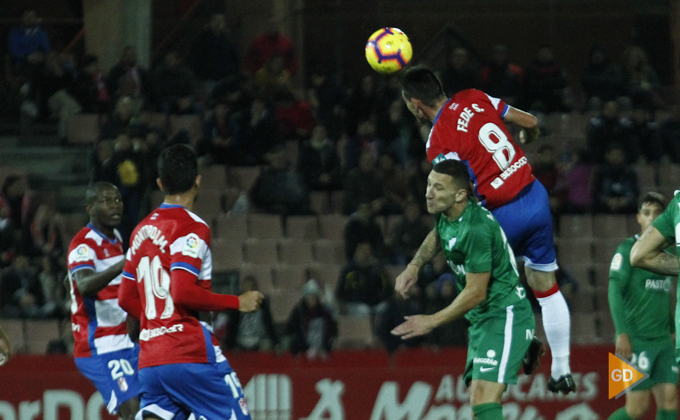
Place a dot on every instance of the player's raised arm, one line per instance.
(185, 292)
(526, 121)
(648, 253)
(428, 249)
(90, 282)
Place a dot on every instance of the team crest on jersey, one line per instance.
(617, 261)
(244, 406)
(122, 384)
(191, 246)
(81, 253)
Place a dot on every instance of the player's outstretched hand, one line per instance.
(406, 279)
(623, 347)
(5, 348)
(414, 326)
(250, 301)
(528, 135)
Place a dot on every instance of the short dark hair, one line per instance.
(421, 83)
(94, 189)
(652, 197)
(177, 169)
(456, 170)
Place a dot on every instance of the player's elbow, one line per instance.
(531, 121)
(636, 257)
(477, 297)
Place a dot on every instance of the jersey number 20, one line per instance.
(156, 285)
(496, 142)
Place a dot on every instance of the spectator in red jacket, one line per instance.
(271, 42)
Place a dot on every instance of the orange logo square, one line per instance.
(623, 376)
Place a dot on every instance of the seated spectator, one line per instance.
(640, 135)
(602, 130)
(311, 325)
(501, 78)
(577, 173)
(15, 199)
(396, 309)
(90, 87)
(615, 187)
(394, 182)
(57, 302)
(364, 285)
(407, 236)
(294, 115)
(120, 120)
(460, 72)
(173, 85)
(127, 78)
(327, 97)
(219, 145)
(397, 131)
(29, 47)
(57, 86)
(252, 331)
(546, 81)
(273, 76)
(602, 79)
(280, 189)
(549, 173)
(364, 184)
(20, 291)
(214, 54)
(362, 228)
(271, 43)
(439, 295)
(361, 104)
(669, 135)
(258, 130)
(42, 237)
(642, 81)
(319, 163)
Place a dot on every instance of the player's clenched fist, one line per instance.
(406, 279)
(250, 301)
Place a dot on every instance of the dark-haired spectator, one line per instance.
(439, 294)
(394, 182)
(219, 144)
(364, 184)
(56, 298)
(407, 235)
(363, 285)
(20, 291)
(251, 331)
(396, 309)
(577, 173)
(311, 325)
(501, 78)
(549, 173)
(15, 199)
(602, 79)
(214, 54)
(57, 86)
(397, 131)
(546, 81)
(173, 85)
(319, 163)
(366, 139)
(460, 72)
(327, 98)
(120, 119)
(361, 104)
(280, 189)
(294, 115)
(42, 238)
(669, 134)
(640, 135)
(602, 130)
(362, 228)
(642, 81)
(271, 43)
(29, 46)
(90, 87)
(259, 130)
(615, 187)
(128, 78)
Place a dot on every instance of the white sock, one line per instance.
(556, 323)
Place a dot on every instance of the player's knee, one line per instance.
(129, 409)
(637, 409)
(669, 400)
(540, 280)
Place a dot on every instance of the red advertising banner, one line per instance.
(420, 384)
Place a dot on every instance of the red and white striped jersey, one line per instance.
(470, 128)
(98, 322)
(170, 238)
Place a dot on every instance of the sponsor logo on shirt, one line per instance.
(658, 284)
(488, 360)
(617, 261)
(514, 167)
(496, 183)
(122, 384)
(146, 335)
(191, 246)
(81, 253)
(243, 405)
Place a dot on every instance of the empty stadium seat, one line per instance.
(337, 200)
(190, 123)
(576, 226)
(265, 226)
(226, 255)
(330, 252)
(319, 202)
(232, 227)
(83, 129)
(610, 226)
(208, 205)
(261, 273)
(261, 251)
(282, 303)
(604, 250)
(332, 226)
(302, 227)
(243, 177)
(354, 332)
(325, 274)
(213, 177)
(295, 251)
(289, 276)
(39, 334)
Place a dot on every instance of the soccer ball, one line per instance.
(388, 50)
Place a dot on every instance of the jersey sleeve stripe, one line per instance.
(185, 266)
(506, 108)
(129, 275)
(82, 267)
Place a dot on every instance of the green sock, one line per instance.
(620, 414)
(666, 414)
(489, 411)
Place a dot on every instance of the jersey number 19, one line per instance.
(156, 285)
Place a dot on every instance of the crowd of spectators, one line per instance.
(357, 140)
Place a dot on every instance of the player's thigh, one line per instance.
(128, 409)
(664, 377)
(114, 375)
(501, 342)
(539, 280)
(666, 396)
(483, 392)
(637, 403)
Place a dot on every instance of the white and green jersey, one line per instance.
(475, 243)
